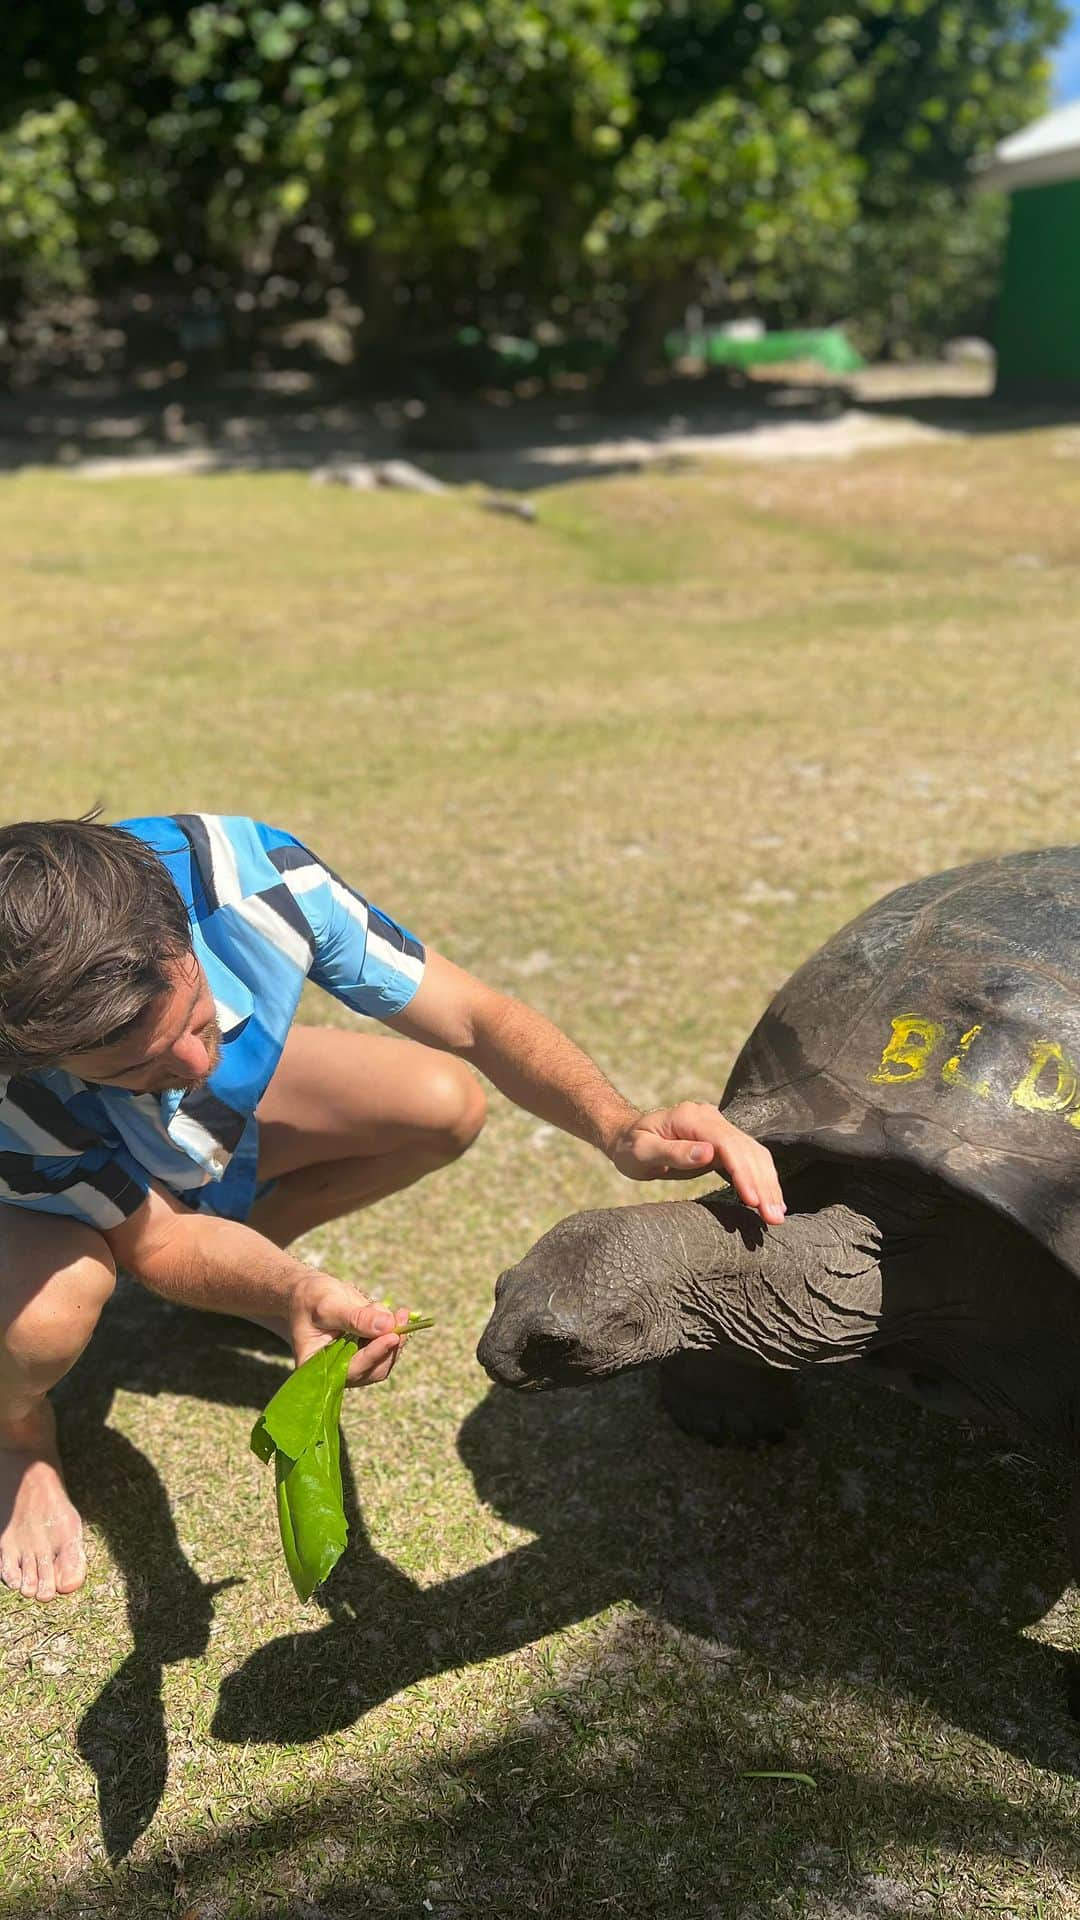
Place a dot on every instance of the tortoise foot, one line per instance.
(727, 1402)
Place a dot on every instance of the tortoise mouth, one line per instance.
(547, 1360)
(533, 1364)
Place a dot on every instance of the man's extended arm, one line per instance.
(540, 1069)
(207, 1262)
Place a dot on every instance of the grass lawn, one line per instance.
(634, 763)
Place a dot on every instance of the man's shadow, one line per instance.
(897, 1518)
(146, 1346)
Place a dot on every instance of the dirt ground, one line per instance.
(518, 441)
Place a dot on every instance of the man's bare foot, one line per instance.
(41, 1545)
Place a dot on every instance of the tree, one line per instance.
(491, 159)
(903, 281)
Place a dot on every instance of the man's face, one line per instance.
(176, 1044)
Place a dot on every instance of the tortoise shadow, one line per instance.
(917, 1589)
(923, 1548)
(500, 1827)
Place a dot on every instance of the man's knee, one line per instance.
(455, 1108)
(53, 1294)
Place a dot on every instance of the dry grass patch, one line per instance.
(633, 762)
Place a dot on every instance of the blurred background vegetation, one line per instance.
(401, 171)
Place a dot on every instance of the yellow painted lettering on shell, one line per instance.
(910, 1050)
(1050, 1083)
(953, 1073)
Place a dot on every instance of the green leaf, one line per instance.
(261, 1442)
(311, 1515)
(297, 1573)
(300, 1432)
(778, 1773)
(418, 1321)
(299, 1410)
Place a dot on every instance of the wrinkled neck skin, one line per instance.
(606, 1291)
(806, 1291)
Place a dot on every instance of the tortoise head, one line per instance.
(600, 1293)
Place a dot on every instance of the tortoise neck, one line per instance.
(803, 1292)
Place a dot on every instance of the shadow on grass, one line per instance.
(792, 1559)
(665, 1824)
(241, 423)
(879, 1550)
(144, 1346)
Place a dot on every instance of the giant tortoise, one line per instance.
(918, 1081)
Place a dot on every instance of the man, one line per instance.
(160, 1110)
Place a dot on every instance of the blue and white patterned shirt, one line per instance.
(265, 915)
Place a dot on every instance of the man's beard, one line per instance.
(211, 1036)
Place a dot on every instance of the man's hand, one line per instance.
(225, 1267)
(321, 1308)
(543, 1071)
(679, 1143)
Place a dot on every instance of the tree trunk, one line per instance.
(372, 285)
(653, 313)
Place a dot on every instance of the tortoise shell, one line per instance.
(940, 1029)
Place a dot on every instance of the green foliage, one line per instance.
(904, 282)
(734, 185)
(299, 1432)
(59, 197)
(477, 161)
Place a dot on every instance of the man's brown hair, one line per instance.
(89, 921)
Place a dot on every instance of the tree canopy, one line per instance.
(478, 158)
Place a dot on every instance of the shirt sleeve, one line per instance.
(364, 958)
(101, 1185)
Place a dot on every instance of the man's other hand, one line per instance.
(680, 1143)
(323, 1308)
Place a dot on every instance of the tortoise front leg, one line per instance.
(721, 1396)
(1072, 1534)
